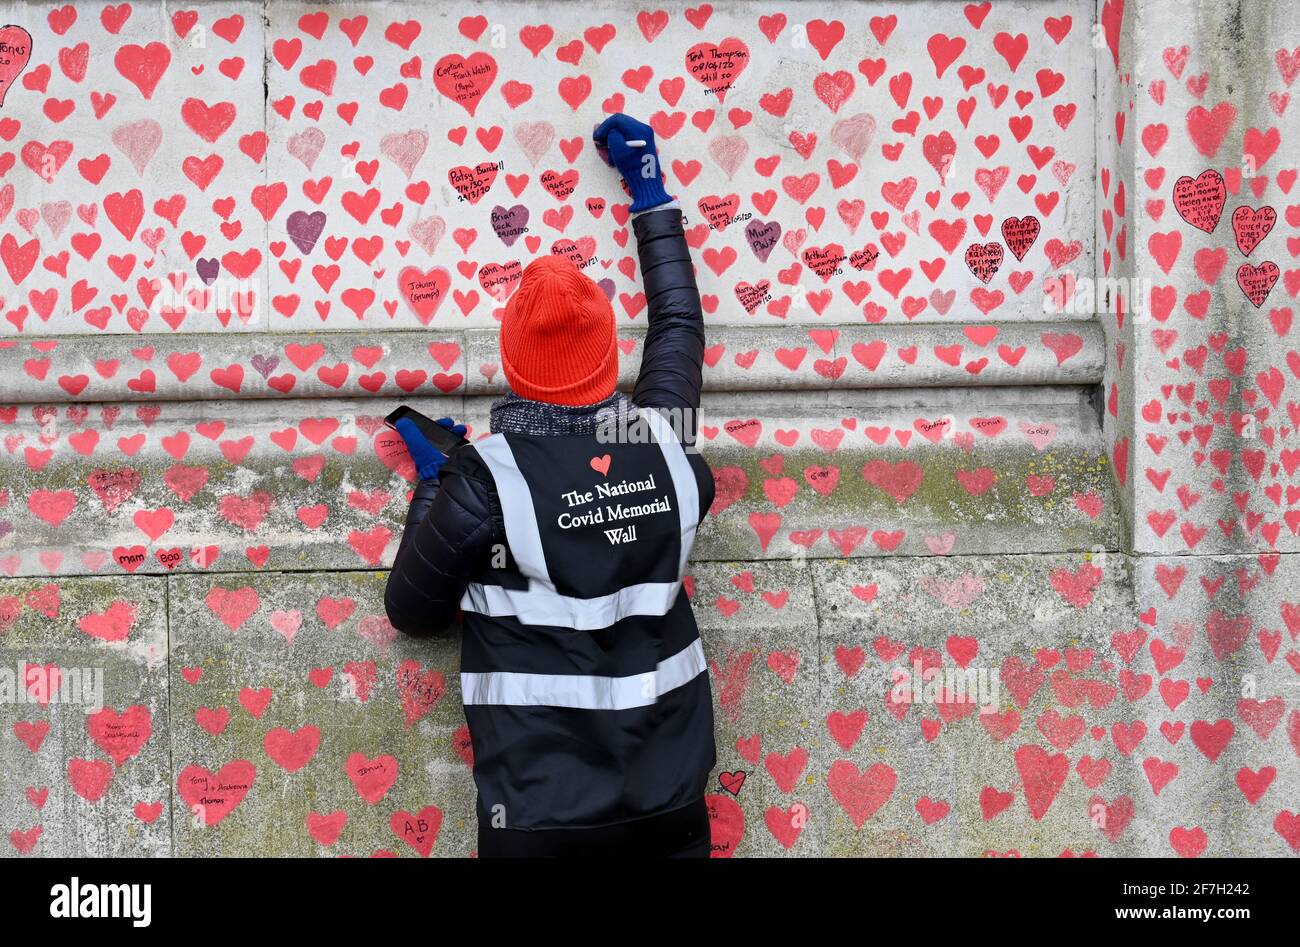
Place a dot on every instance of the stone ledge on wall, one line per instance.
(323, 484)
(199, 366)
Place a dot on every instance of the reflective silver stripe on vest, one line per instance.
(516, 507)
(582, 691)
(541, 604)
(679, 468)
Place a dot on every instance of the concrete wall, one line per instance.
(933, 448)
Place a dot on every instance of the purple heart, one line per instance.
(208, 270)
(305, 229)
(6, 528)
(265, 364)
(510, 224)
(762, 237)
(607, 287)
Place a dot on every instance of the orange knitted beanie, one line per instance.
(557, 336)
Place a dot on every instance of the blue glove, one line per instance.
(639, 165)
(428, 459)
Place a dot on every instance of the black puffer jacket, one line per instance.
(455, 523)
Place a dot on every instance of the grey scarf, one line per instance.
(515, 415)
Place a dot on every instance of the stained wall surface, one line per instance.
(990, 390)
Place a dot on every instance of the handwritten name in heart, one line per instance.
(984, 260)
(1200, 200)
(1251, 226)
(15, 54)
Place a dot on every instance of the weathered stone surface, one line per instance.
(1115, 250)
(204, 485)
(931, 772)
(1217, 407)
(85, 743)
(814, 755)
(280, 680)
(1224, 652)
(1125, 723)
(295, 689)
(905, 473)
(1127, 720)
(759, 625)
(849, 357)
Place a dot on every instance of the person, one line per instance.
(563, 536)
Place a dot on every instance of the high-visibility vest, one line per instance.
(582, 672)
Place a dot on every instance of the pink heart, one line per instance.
(306, 146)
(139, 141)
(287, 623)
(427, 232)
(1040, 433)
(728, 151)
(535, 138)
(854, 134)
(405, 149)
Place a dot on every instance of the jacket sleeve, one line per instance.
(447, 538)
(672, 359)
